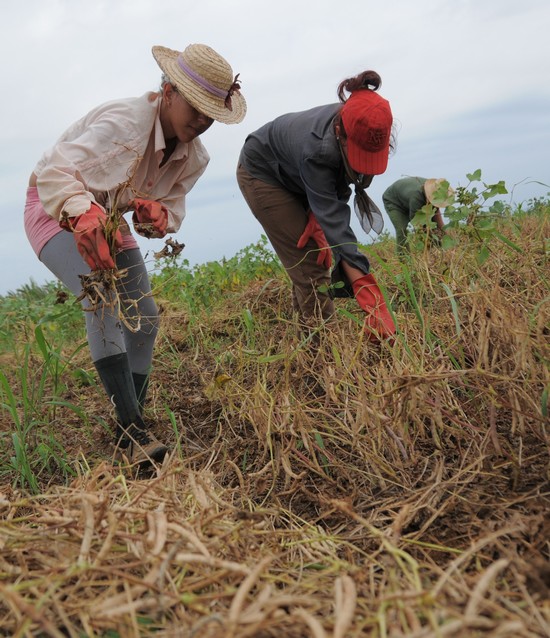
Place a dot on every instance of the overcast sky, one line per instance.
(468, 81)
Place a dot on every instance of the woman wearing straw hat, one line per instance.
(295, 174)
(405, 197)
(142, 155)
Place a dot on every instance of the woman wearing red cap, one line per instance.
(295, 174)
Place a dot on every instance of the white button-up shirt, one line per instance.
(114, 154)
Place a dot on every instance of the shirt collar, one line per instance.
(181, 150)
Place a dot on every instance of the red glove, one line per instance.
(89, 234)
(150, 218)
(378, 324)
(314, 231)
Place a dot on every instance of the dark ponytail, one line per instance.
(366, 80)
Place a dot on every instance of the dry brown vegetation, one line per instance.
(324, 487)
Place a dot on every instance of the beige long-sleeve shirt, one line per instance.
(114, 154)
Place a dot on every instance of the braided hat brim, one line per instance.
(199, 97)
(431, 185)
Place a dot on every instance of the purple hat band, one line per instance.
(200, 80)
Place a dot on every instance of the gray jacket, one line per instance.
(299, 152)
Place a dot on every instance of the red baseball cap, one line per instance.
(367, 120)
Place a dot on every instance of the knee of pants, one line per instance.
(310, 300)
(398, 218)
(150, 326)
(149, 320)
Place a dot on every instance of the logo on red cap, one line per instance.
(367, 120)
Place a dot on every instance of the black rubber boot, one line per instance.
(116, 377)
(141, 385)
(132, 437)
(139, 447)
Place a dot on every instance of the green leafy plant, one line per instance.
(474, 215)
(34, 446)
(32, 398)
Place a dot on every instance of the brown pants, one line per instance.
(283, 217)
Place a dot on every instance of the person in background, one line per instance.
(295, 174)
(405, 197)
(143, 155)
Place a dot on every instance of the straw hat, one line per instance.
(205, 80)
(430, 186)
